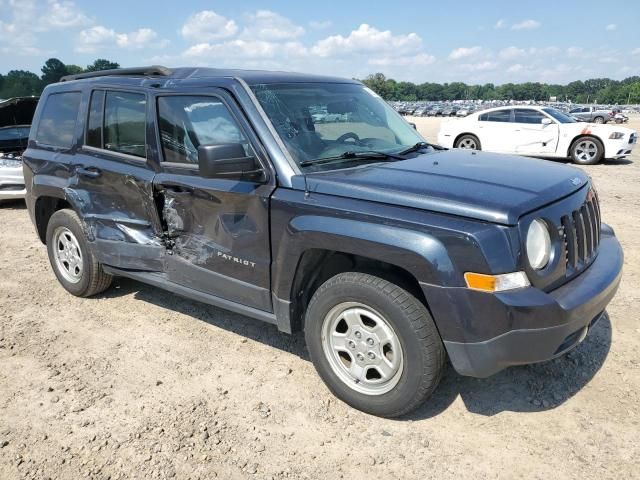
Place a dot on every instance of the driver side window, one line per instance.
(186, 122)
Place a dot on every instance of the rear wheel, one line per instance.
(598, 120)
(586, 151)
(73, 262)
(468, 141)
(374, 344)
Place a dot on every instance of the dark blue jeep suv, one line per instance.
(309, 203)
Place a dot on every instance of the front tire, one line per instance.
(468, 142)
(586, 151)
(374, 344)
(73, 262)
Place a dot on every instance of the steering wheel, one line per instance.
(347, 136)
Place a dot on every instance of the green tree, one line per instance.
(74, 69)
(102, 64)
(52, 71)
(19, 83)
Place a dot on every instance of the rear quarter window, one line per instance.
(57, 123)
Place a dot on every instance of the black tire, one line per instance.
(422, 350)
(92, 279)
(578, 147)
(468, 139)
(598, 119)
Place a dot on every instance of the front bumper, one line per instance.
(536, 326)
(12, 183)
(620, 148)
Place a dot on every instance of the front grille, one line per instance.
(581, 233)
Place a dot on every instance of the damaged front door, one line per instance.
(218, 228)
(113, 183)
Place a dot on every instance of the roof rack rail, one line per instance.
(153, 70)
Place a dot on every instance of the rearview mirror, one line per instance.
(228, 160)
(546, 121)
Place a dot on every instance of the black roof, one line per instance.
(251, 77)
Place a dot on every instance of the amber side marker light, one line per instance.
(496, 283)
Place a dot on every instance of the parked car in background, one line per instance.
(618, 117)
(15, 123)
(538, 132)
(591, 114)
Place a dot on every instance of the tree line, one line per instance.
(595, 90)
(19, 83)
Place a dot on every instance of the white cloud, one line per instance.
(611, 27)
(141, 38)
(368, 40)
(479, 66)
(511, 53)
(96, 38)
(526, 25)
(464, 52)
(64, 14)
(635, 51)
(320, 24)
(268, 25)
(245, 49)
(207, 25)
(393, 61)
(502, 23)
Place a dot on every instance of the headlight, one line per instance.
(538, 244)
(616, 136)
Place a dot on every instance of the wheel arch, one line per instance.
(402, 256)
(44, 207)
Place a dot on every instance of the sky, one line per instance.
(471, 41)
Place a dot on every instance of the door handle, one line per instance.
(90, 172)
(178, 190)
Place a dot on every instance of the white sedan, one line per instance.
(538, 132)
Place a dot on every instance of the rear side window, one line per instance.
(125, 118)
(186, 122)
(497, 116)
(524, 115)
(58, 120)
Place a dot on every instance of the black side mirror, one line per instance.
(228, 160)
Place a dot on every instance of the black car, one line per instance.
(15, 122)
(390, 254)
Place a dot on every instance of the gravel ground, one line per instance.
(137, 383)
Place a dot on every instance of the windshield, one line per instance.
(559, 116)
(326, 120)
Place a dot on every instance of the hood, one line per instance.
(485, 186)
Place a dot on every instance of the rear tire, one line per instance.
(73, 262)
(586, 151)
(374, 344)
(598, 120)
(468, 142)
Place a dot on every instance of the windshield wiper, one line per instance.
(420, 146)
(373, 155)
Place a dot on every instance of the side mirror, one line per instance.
(546, 121)
(228, 160)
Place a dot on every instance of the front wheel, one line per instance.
(374, 344)
(586, 151)
(468, 141)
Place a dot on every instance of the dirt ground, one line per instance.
(137, 383)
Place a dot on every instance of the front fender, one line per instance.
(420, 254)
